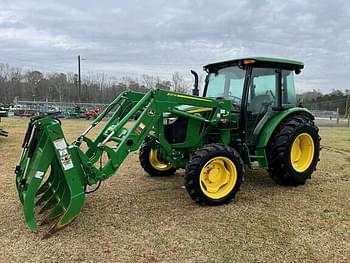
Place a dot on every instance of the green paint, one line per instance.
(282, 62)
(272, 124)
(73, 168)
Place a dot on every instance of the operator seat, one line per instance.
(258, 102)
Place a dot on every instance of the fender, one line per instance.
(272, 124)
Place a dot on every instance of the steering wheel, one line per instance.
(236, 101)
(236, 98)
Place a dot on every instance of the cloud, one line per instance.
(157, 37)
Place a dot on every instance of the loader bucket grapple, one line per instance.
(60, 195)
(248, 117)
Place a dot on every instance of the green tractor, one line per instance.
(248, 117)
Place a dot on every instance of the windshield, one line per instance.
(226, 83)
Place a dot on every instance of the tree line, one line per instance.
(63, 87)
(316, 100)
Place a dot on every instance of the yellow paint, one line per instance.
(302, 152)
(156, 164)
(199, 110)
(218, 177)
(188, 97)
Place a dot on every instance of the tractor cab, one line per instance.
(256, 86)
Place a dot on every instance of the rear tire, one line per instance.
(152, 165)
(214, 174)
(293, 151)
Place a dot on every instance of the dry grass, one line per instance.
(136, 218)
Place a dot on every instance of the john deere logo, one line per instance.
(151, 112)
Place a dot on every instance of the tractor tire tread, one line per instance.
(146, 165)
(279, 147)
(198, 159)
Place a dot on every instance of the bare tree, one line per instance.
(179, 83)
(149, 81)
(34, 85)
(34, 78)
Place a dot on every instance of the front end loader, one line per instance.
(248, 118)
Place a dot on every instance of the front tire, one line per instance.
(150, 162)
(214, 174)
(294, 151)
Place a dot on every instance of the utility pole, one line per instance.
(337, 116)
(79, 79)
(347, 103)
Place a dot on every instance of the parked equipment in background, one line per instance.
(92, 114)
(4, 112)
(75, 113)
(247, 118)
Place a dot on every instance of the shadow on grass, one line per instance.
(258, 179)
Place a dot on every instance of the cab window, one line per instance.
(288, 89)
(226, 83)
(262, 92)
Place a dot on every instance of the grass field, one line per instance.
(137, 218)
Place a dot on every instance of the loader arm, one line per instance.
(73, 167)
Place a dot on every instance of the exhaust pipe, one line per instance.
(195, 90)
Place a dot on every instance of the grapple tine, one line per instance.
(59, 208)
(71, 204)
(53, 186)
(57, 227)
(72, 211)
(42, 189)
(30, 191)
(55, 212)
(55, 197)
(47, 220)
(3, 133)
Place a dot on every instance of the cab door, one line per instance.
(262, 98)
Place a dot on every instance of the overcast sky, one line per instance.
(159, 37)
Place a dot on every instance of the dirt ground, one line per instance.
(137, 218)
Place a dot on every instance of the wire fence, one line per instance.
(330, 119)
(325, 118)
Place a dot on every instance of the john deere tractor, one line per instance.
(247, 118)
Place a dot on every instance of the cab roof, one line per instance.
(258, 62)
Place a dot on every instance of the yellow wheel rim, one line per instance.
(156, 164)
(218, 177)
(302, 153)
